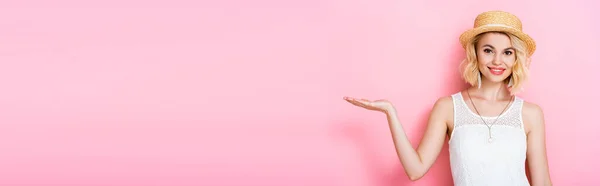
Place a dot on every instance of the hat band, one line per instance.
(498, 25)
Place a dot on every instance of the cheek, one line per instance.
(510, 64)
(510, 60)
(485, 59)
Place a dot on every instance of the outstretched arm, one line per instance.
(536, 145)
(417, 162)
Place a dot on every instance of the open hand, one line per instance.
(378, 105)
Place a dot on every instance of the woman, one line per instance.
(492, 133)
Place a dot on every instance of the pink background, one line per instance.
(250, 92)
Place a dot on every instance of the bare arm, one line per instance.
(417, 162)
(536, 142)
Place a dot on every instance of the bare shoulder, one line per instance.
(532, 111)
(443, 108)
(533, 116)
(444, 103)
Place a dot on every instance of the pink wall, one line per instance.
(250, 92)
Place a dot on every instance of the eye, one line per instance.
(508, 53)
(487, 50)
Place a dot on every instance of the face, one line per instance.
(495, 56)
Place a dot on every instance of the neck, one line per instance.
(492, 91)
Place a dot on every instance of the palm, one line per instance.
(379, 105)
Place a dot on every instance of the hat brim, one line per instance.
(466, 36)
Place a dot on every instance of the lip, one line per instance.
(496, 70)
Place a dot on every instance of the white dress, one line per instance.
(477, 161)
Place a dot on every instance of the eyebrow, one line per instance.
(509, 48)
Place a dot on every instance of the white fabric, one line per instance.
(477, 162)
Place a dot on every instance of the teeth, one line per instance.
(496, 70)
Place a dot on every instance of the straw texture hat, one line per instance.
(498, 21)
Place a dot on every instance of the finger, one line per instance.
(358, 103)
(351, 101)
(355, 99)
(349, 98)
(365, 102)
(361, 100)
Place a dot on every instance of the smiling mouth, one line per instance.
(496, 71)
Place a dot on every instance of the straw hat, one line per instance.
(498, 21)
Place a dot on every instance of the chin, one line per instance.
(496, 78)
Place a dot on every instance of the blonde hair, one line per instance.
(520, 73)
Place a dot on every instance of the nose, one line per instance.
(497, 59)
